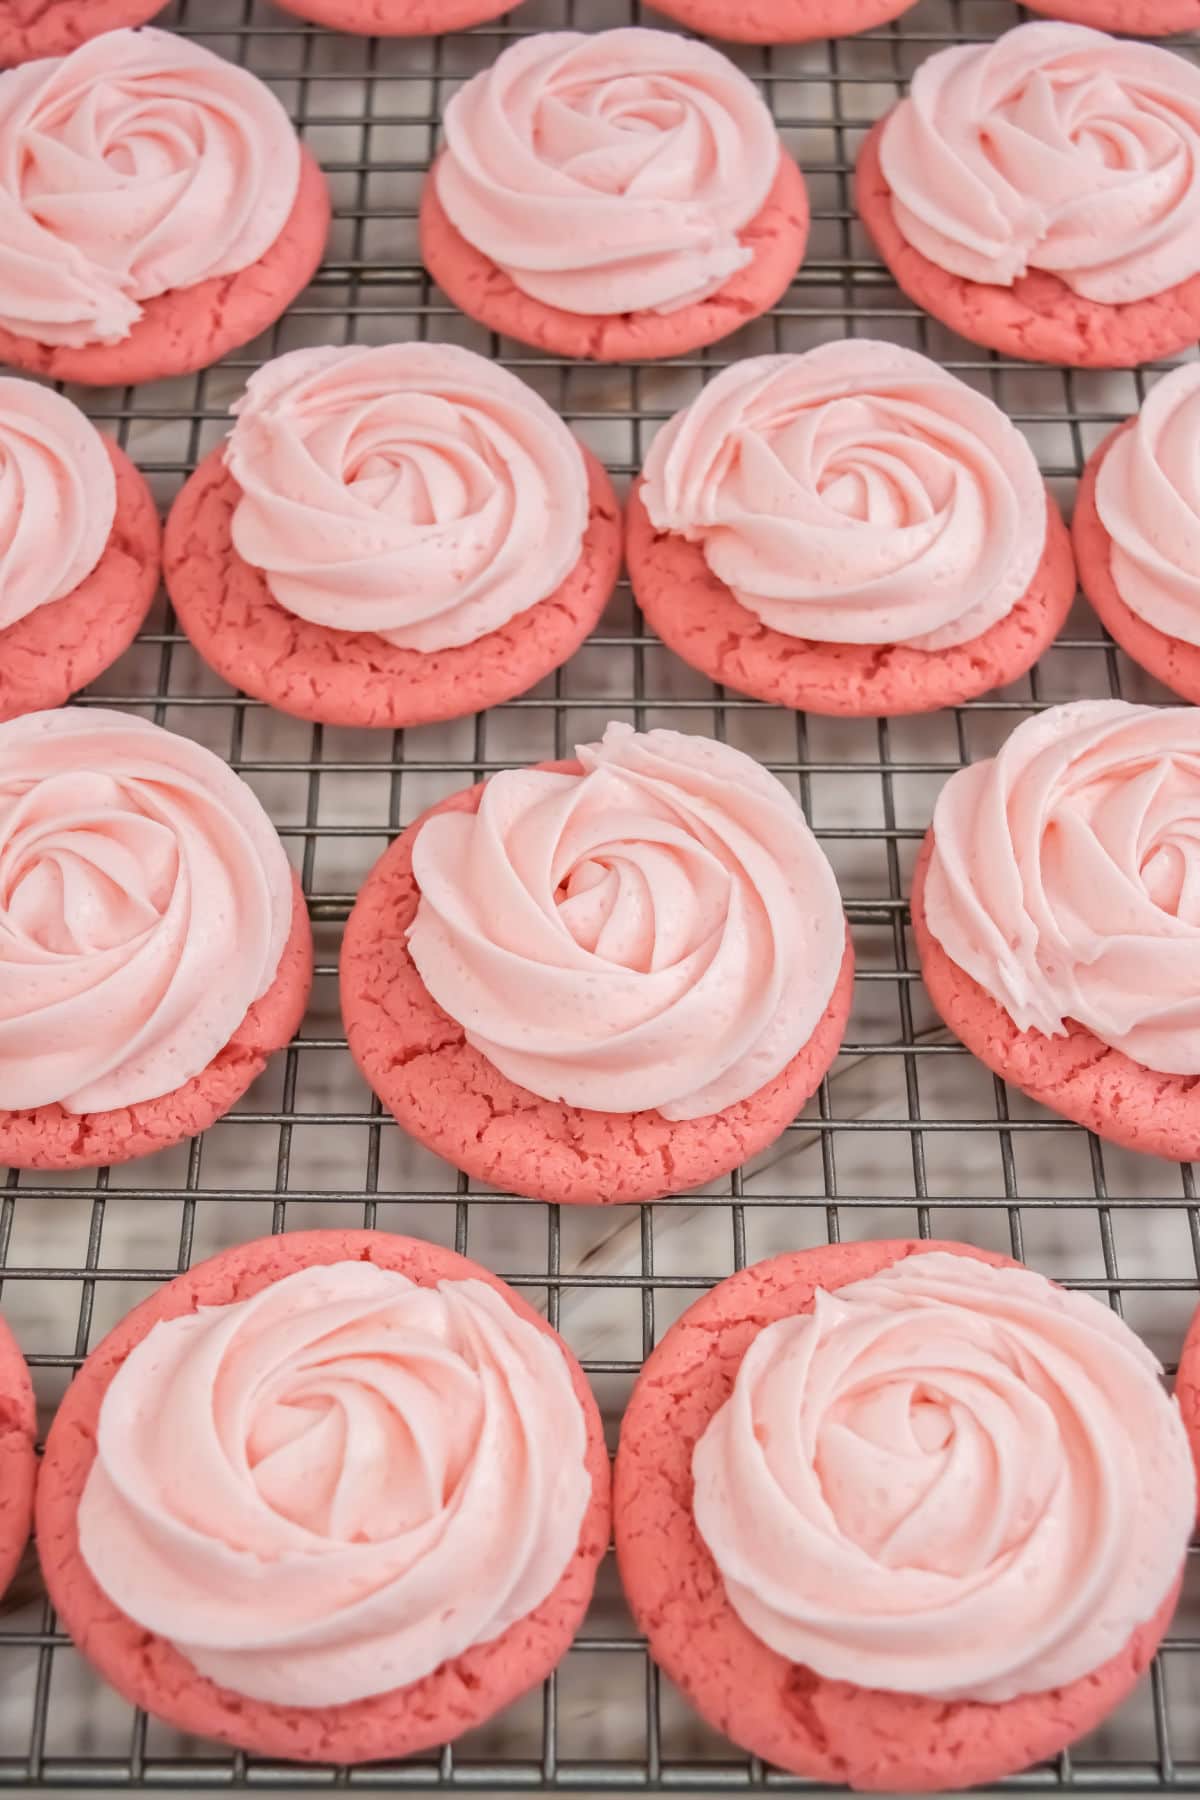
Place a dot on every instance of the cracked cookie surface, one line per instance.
(446, 1094)
(484, 292)
(49, 1137)
(357, 677)
(151, 1673)
(829, 1731)
(58, 648)
(190, 328)
(1078, 1075)
(1038, 318)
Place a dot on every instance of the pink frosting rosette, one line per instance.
(328, 1490)
(1065, 877)
(609, 172)
(947, 1479)
(1052, 148)
(138, 164)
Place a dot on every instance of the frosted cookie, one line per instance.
(30, 28)
(620, 195)
(79, 549)
(398, 18)
(781, 21)
(1141, 18)
(18, 1459)
(332, 1496)
(903, 1515)
(1137, 532)
(1038, 195)
(156, 210)
(848, 531)
(392, 535)
(154, 943)
(604, 980)
(1055, 910)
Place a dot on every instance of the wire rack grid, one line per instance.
(907, 1135)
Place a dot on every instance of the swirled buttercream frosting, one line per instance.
(139, 164)
(947, 1479)
(1053, 148)
(1065, 877)
(325, 1491)
(1148, 499)
(145, 901)
(58, 498)
(609, 172)
(417, 491)
(855, 494)
(660, 930)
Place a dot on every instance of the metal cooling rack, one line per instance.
(908, 1135)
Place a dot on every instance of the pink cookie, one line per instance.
(32, 28)
(694, 612)
(777, 237)
(1077, 1075)
(1187, 1386)
(18, 1460)
(57, 649)
(398, 18)
(1169, 659)
(1137, 18)
(357, 677)
(781, 21)
(451, 1098)
(1038, 318)
(48, 1137)
(825, 1730)
(150, 1673)
(192, 327)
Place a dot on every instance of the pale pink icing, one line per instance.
(58, 498)
(1055, 148)
(947, 1479)
(610, 172)
(662, 930)
(138, 164)
(325, 1491)
(1148, 499)
(1065, 877)
(855, 494)
(414, 490)
(145, 901)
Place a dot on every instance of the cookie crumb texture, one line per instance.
(1187, 1388)
(397, 18)
(33, 28)
(151, 1674)
(699, 618)
(1077, 1076)
(782, 1711)
(477, 287)
(1136, 18)
(18, 1460)
(48, 1137)
(449, 1097)
(56, 650)
(357, 677)
(1172, 661)
(191, 328)
(1038, 318)
(781, 21)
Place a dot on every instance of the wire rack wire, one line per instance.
(908, 1135)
